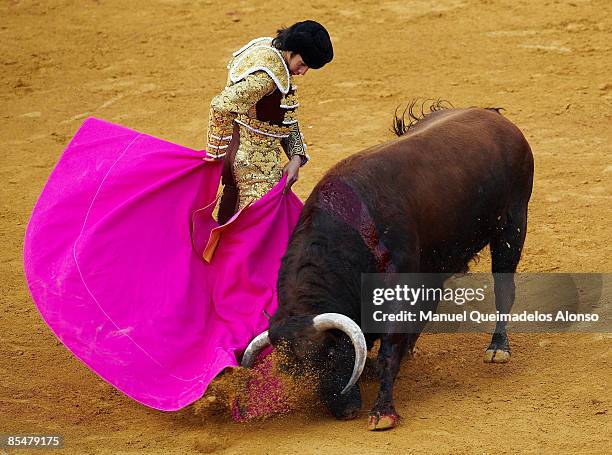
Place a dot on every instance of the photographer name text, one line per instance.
(480, 317)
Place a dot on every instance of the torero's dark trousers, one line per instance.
(229, 198)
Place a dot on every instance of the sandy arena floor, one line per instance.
(154, 66)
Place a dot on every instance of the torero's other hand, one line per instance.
(292, 170)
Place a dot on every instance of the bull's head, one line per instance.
(320, 324)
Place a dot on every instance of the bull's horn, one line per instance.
(327, 321)
(254, 348)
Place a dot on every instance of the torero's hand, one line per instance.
(292, 169)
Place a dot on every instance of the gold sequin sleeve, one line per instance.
(235, 99)
(294, 144)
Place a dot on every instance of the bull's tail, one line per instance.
(412, 114)
(401, 124)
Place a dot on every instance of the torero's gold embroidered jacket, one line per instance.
(259, 96)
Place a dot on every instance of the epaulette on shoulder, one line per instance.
(260, 55)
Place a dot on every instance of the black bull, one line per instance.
(425, 202)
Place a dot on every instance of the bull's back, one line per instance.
(447, 181)
(473, 140)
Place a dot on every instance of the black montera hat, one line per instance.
(311, 41)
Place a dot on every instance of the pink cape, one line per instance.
(113, 259)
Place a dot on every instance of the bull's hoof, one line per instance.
(499, 349)
(379, 422)
(496, 356)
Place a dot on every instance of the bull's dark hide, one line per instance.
(428, 201)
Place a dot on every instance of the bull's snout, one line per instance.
(321, 323)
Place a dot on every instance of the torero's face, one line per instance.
(296, 65)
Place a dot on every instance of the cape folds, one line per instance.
(113, 259)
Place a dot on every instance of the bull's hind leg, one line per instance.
(506, 247)
(392, 349)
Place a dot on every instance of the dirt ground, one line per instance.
(154, 65)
